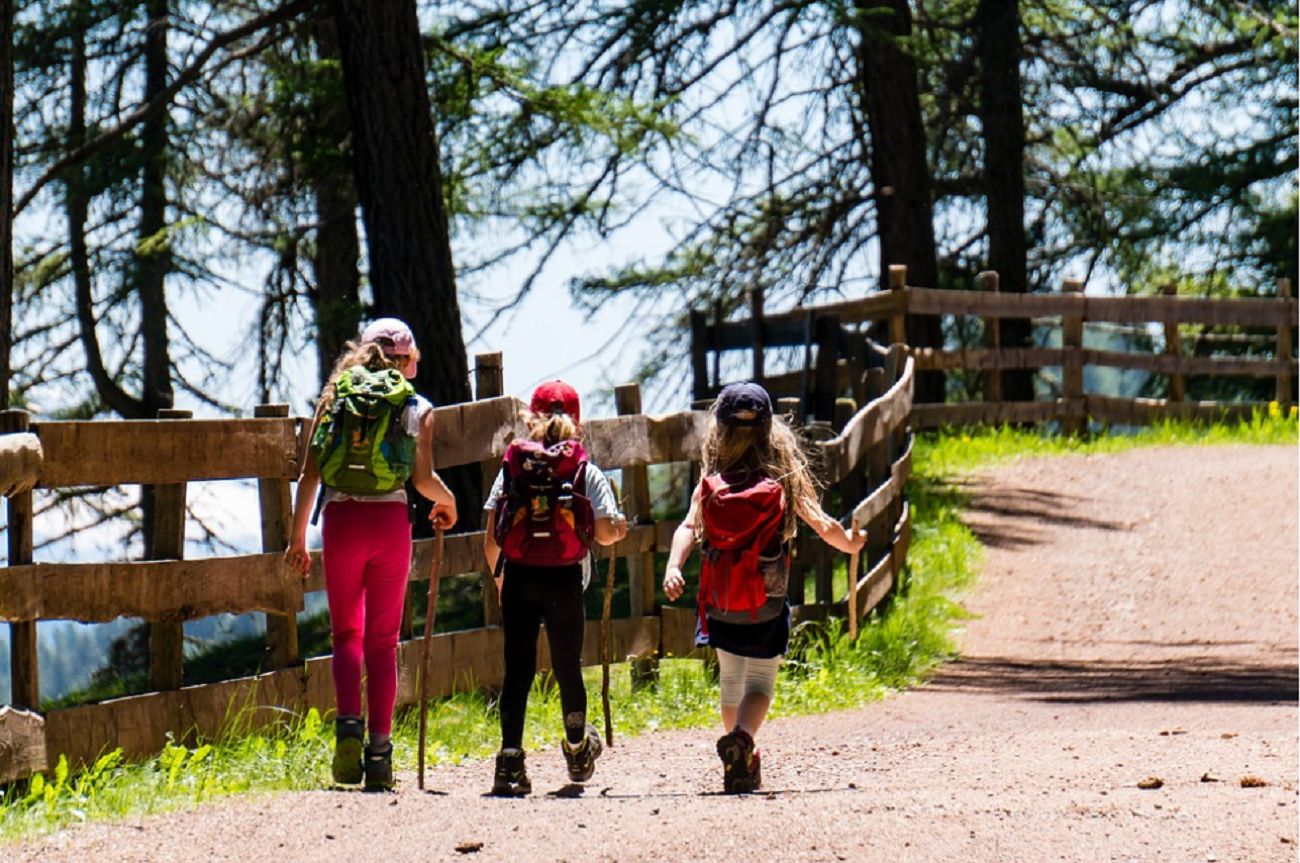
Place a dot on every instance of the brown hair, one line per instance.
(368, 354)
(551, 428)
(772, 451)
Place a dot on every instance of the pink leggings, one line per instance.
(367, 555)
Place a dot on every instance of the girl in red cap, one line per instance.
(548, 505)
(370, 434)
(756, 482)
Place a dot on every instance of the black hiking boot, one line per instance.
(349, 734)
(510, 778)
(379, 767)
(582, 757)
(740, 763)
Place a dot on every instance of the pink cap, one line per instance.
(395, 337)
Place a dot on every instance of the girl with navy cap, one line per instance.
(756, 485)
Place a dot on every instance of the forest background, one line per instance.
(201, 201)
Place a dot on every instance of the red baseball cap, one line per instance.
(394, 337)
(555, 397)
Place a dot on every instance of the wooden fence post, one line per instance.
(1284, 349)
(1174, 348)
(699, 355)
(1072, 422)
(756, 334)
(167, 640)
(24, 671)
(790, 408)
(277, 515)
(826, 382)
(489, 382)
(850, 486)
(988, 281)
(879, 529)
(898, 318)
(715, 344)
(640, 567)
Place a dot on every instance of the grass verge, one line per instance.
(824, 670)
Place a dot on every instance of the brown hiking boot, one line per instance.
(740, 763)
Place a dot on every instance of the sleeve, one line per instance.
(602, 497)
(416, 408)
(494, 493)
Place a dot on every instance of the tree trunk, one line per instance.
(153, 261)
(998, 26)
(399, 185)
(336, 256)
(6, 197)
(888, 91)
(77, 207)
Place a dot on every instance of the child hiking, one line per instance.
(756, 481)
(548, 505)
(371, 433)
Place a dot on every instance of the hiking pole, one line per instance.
(605, 627)
(429, 615)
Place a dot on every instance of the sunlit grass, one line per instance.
(824, 670)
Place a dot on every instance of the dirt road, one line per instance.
(1137, 619)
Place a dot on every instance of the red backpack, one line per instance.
(742, 524)
(543, 516)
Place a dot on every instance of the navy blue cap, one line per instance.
(746, 404)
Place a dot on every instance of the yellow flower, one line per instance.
(1274, 409)
(965, 438)
(1294, 412)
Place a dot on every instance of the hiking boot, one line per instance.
(349, 734)
(510, 778)
(740, 763)
(379, 768)
(582, 757)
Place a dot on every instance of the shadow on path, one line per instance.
(1207, 680)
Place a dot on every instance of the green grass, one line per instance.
(824, 670)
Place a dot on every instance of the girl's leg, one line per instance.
(385, 589)
(520, 619)
(760, 687)
(566, 624)
(344, 536)
(731, 680)
(747, 686)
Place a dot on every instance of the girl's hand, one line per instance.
(674, 583)
(854, 539)
(297, 557)
(443, 515)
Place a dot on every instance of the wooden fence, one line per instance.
(841, 354)
(866, 459)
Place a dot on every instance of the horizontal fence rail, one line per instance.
(831, 335)
(865, 458)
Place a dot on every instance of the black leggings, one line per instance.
(530, 596)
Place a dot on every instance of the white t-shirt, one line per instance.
(412, 417)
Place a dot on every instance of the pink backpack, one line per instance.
(543, 516)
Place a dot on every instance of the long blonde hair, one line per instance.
(773, 451)
(551, 428)
(368, 354)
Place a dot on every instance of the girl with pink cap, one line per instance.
(371, 433)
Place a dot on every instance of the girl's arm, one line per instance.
(426, 480)
(490, 548)
(304, 500)
(610, 530)
(829, 530)
(683, 545)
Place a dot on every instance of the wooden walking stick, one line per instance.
(853, 590)
(429, 615)
(605, 627)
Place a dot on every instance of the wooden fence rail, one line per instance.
(165, 592)
(839, 362)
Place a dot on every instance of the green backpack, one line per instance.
(361, 445)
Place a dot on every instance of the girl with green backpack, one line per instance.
(371, 433)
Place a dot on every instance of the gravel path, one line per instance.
(1137, 618)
